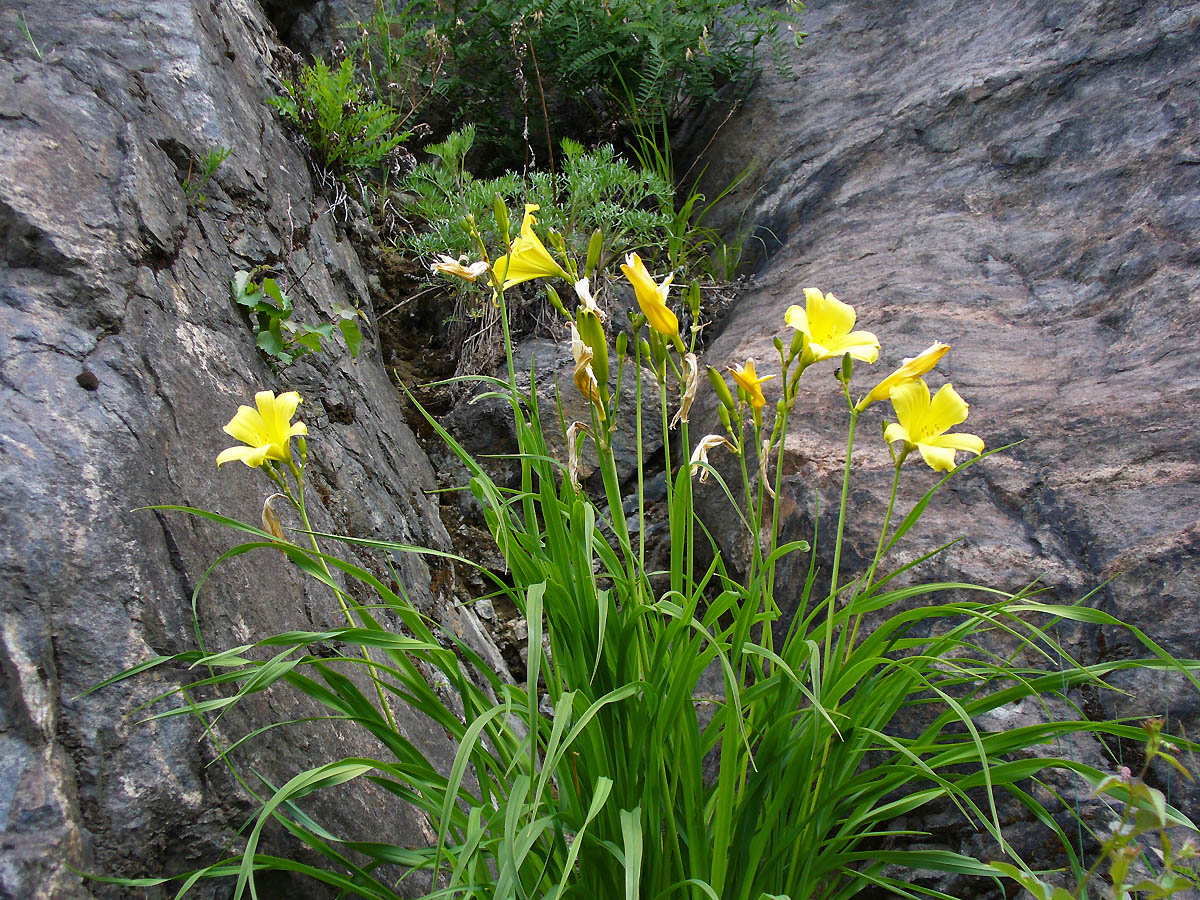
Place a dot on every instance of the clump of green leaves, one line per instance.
(524, 70)
(348, 131)
(594, 190)
(275, 332)
(198, 178)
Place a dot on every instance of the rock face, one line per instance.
(121, 356)
(1021, 180)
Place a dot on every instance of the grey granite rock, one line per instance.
(121, 356)
(1017, 179)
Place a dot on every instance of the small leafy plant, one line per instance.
(275, 332)
(1138, 855)
(197, 180)
(349, 132)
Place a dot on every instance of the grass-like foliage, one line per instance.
(348, 131)
(609, 772)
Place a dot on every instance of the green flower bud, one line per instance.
(595, 245)
(720, 388)
(500, 211)
(556, 301)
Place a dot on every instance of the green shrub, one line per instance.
(509, 65)
(348, 132)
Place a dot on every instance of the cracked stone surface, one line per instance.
(121, 356)
(1019, 179)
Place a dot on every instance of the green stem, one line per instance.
(837, 547)
(302, 507)
(887, 520)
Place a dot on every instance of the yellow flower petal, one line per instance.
(528, 258)
(251, 456)
(946, 410)
(246, 426)
(911, 368)
(796, 318)
(828, 315)
(896, 432)
(971, 443)
(911, 402)
(940, 459)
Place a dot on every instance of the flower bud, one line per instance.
(500, 211)
(693, 299)
(797, 347)
(595, 245)
(720, 388)
(556, 301)
(622, 344)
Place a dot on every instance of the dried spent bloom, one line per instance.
(583, 291)
(691, 381)
(585, 376)
(700, 454)
(910, 370)
(573, 450)
(764, 460)
(923, 423)
(828, 324)
(748, 379)
(528, 258)
(267, 431)
(448, 265)
(651, 296)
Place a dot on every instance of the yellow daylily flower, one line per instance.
(651, 296)
(828, 324)
(923, 423)
(267, 431)
(910, 370)
(448, 265)
(528, 258)
(747, 378)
